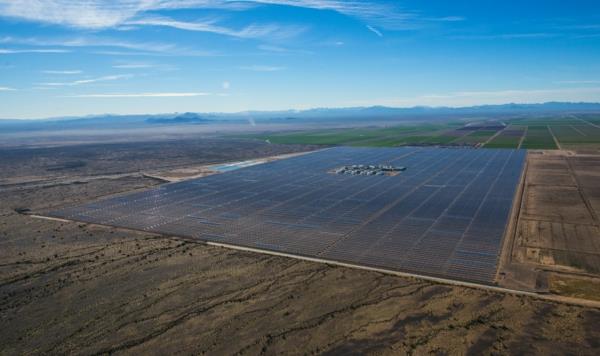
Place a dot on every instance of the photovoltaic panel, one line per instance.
(444, 216)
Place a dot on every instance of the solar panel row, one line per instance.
(444, 216)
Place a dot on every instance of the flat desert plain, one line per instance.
(83, 289)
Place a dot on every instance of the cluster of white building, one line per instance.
(368, 170)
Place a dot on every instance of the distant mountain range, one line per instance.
(381, 111)
(352, 114)
(187, 118)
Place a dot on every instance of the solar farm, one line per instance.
(444, 215)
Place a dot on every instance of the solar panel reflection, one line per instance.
(444, 216)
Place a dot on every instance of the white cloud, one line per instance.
(87, 81)
(125, 53)
(134, 66)
(447, 19)
(145, 65)
(67, 72)
(85, 42)
(262, 68)
(140, 48)
(467, 98)
(226, 85)
(282, 50)
(252, 31)
(7, 89)
(33, 50)
(384, 13)
(374, 30)
(104, 42)
(271, 48)
(100, 14)
(137, 95)
(506, 36)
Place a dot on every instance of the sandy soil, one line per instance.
(82, 289)
(198, 171)
(557, 243)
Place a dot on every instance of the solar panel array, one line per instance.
(444, 216)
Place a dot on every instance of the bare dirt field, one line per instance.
(83, 289)
(558, 232)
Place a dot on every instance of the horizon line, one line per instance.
(266, 111)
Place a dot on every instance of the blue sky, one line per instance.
(79, 57)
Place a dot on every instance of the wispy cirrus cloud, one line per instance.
(280, 50)
(272, 48)
(507, 36)
(445, 19)
(374, 30)
(32, 50)
(66, 72)
(262, 68)
(101, 14)
(272, 31)
(86, 81)
(144, 65)
(129, 14)
(89, 41)
(386, 14)
(101, 44)
(134, 66)
(84, 13)
(7, 89)
(138, 95)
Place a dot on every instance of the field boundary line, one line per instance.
(578, 130)
(587, 122)
(446, 281)
(522, 138)
(493, 137)
(510, 234)
(51, 218)
(582, 194)
(553, 298)
(554, 137)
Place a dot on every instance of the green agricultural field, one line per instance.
(577, 136)
(592, 119)
(508, 138)
(545, 121)
(570, 131)
(501, 141)
(430, 140)
(475, 137)
(483, 133)
(323, 137)
(424, 134)
(538, 137)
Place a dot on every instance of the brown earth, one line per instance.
(556, 247)
(83, 289)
